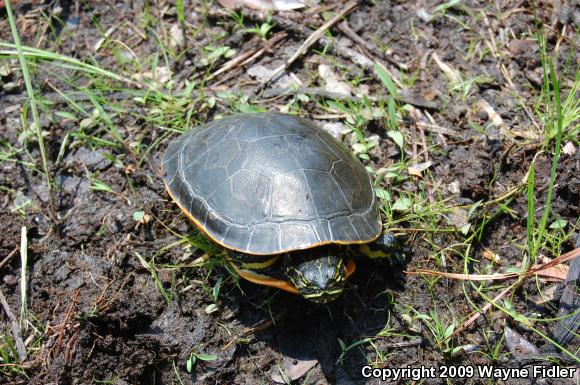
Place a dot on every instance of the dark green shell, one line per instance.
(270, 183)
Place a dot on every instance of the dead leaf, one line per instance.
(525, 134)
(266, 5)
(176, 38)
(424, 15)
(160, 76)
(459, 217)
(518, 345)
(418, 168)
(332, 82)
(569, 149)
(260, 72)
(336, 129)
(491, 114)
(292, 369)
(453, 187)
(447, 70)
(555, 273)
(491, 256)
(228, 4)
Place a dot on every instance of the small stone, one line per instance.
(569, 149)
(453, 187)
(424, 15)
(93, 160)
(260, 72)
(518, 345)
(176, 37)
(336, 129)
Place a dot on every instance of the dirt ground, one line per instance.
(113, 297)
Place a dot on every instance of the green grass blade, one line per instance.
(180, 12)
(531, 210)
(30, 91)
(39, 54)
(558, 105)
(385, 79)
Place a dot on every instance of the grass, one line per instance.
(9, 355)
(31, 96)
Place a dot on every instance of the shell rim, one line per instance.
(221, 243)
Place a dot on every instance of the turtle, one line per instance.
(290, 205)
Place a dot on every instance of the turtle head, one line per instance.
(319, 280)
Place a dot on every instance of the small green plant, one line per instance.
(214, 53)
(392, 106)
(167, 294)
(570, 113)
(494, 346)
(213, 307)
(98, 185)
(263, 30)
(440, 332)
(194, 357)
(464, 86)
(9, 355)
(554, 123)
(179, 4)
(345, 349)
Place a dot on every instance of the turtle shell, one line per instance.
(268, 183)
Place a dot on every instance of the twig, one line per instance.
(284, 91)
(424, 142)
(8, 257)
(438, 129)
(15, 328)
(129, 23)
(65, 320)
(249, 55)
(309, 42)
(23, 279)
(561, 259)
(367, 46)
(105, 36)
(423, 65)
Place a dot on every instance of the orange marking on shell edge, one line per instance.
(192, 219)
(204, 231)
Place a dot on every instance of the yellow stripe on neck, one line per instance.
(366, 250)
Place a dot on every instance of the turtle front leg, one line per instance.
(386, 246)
